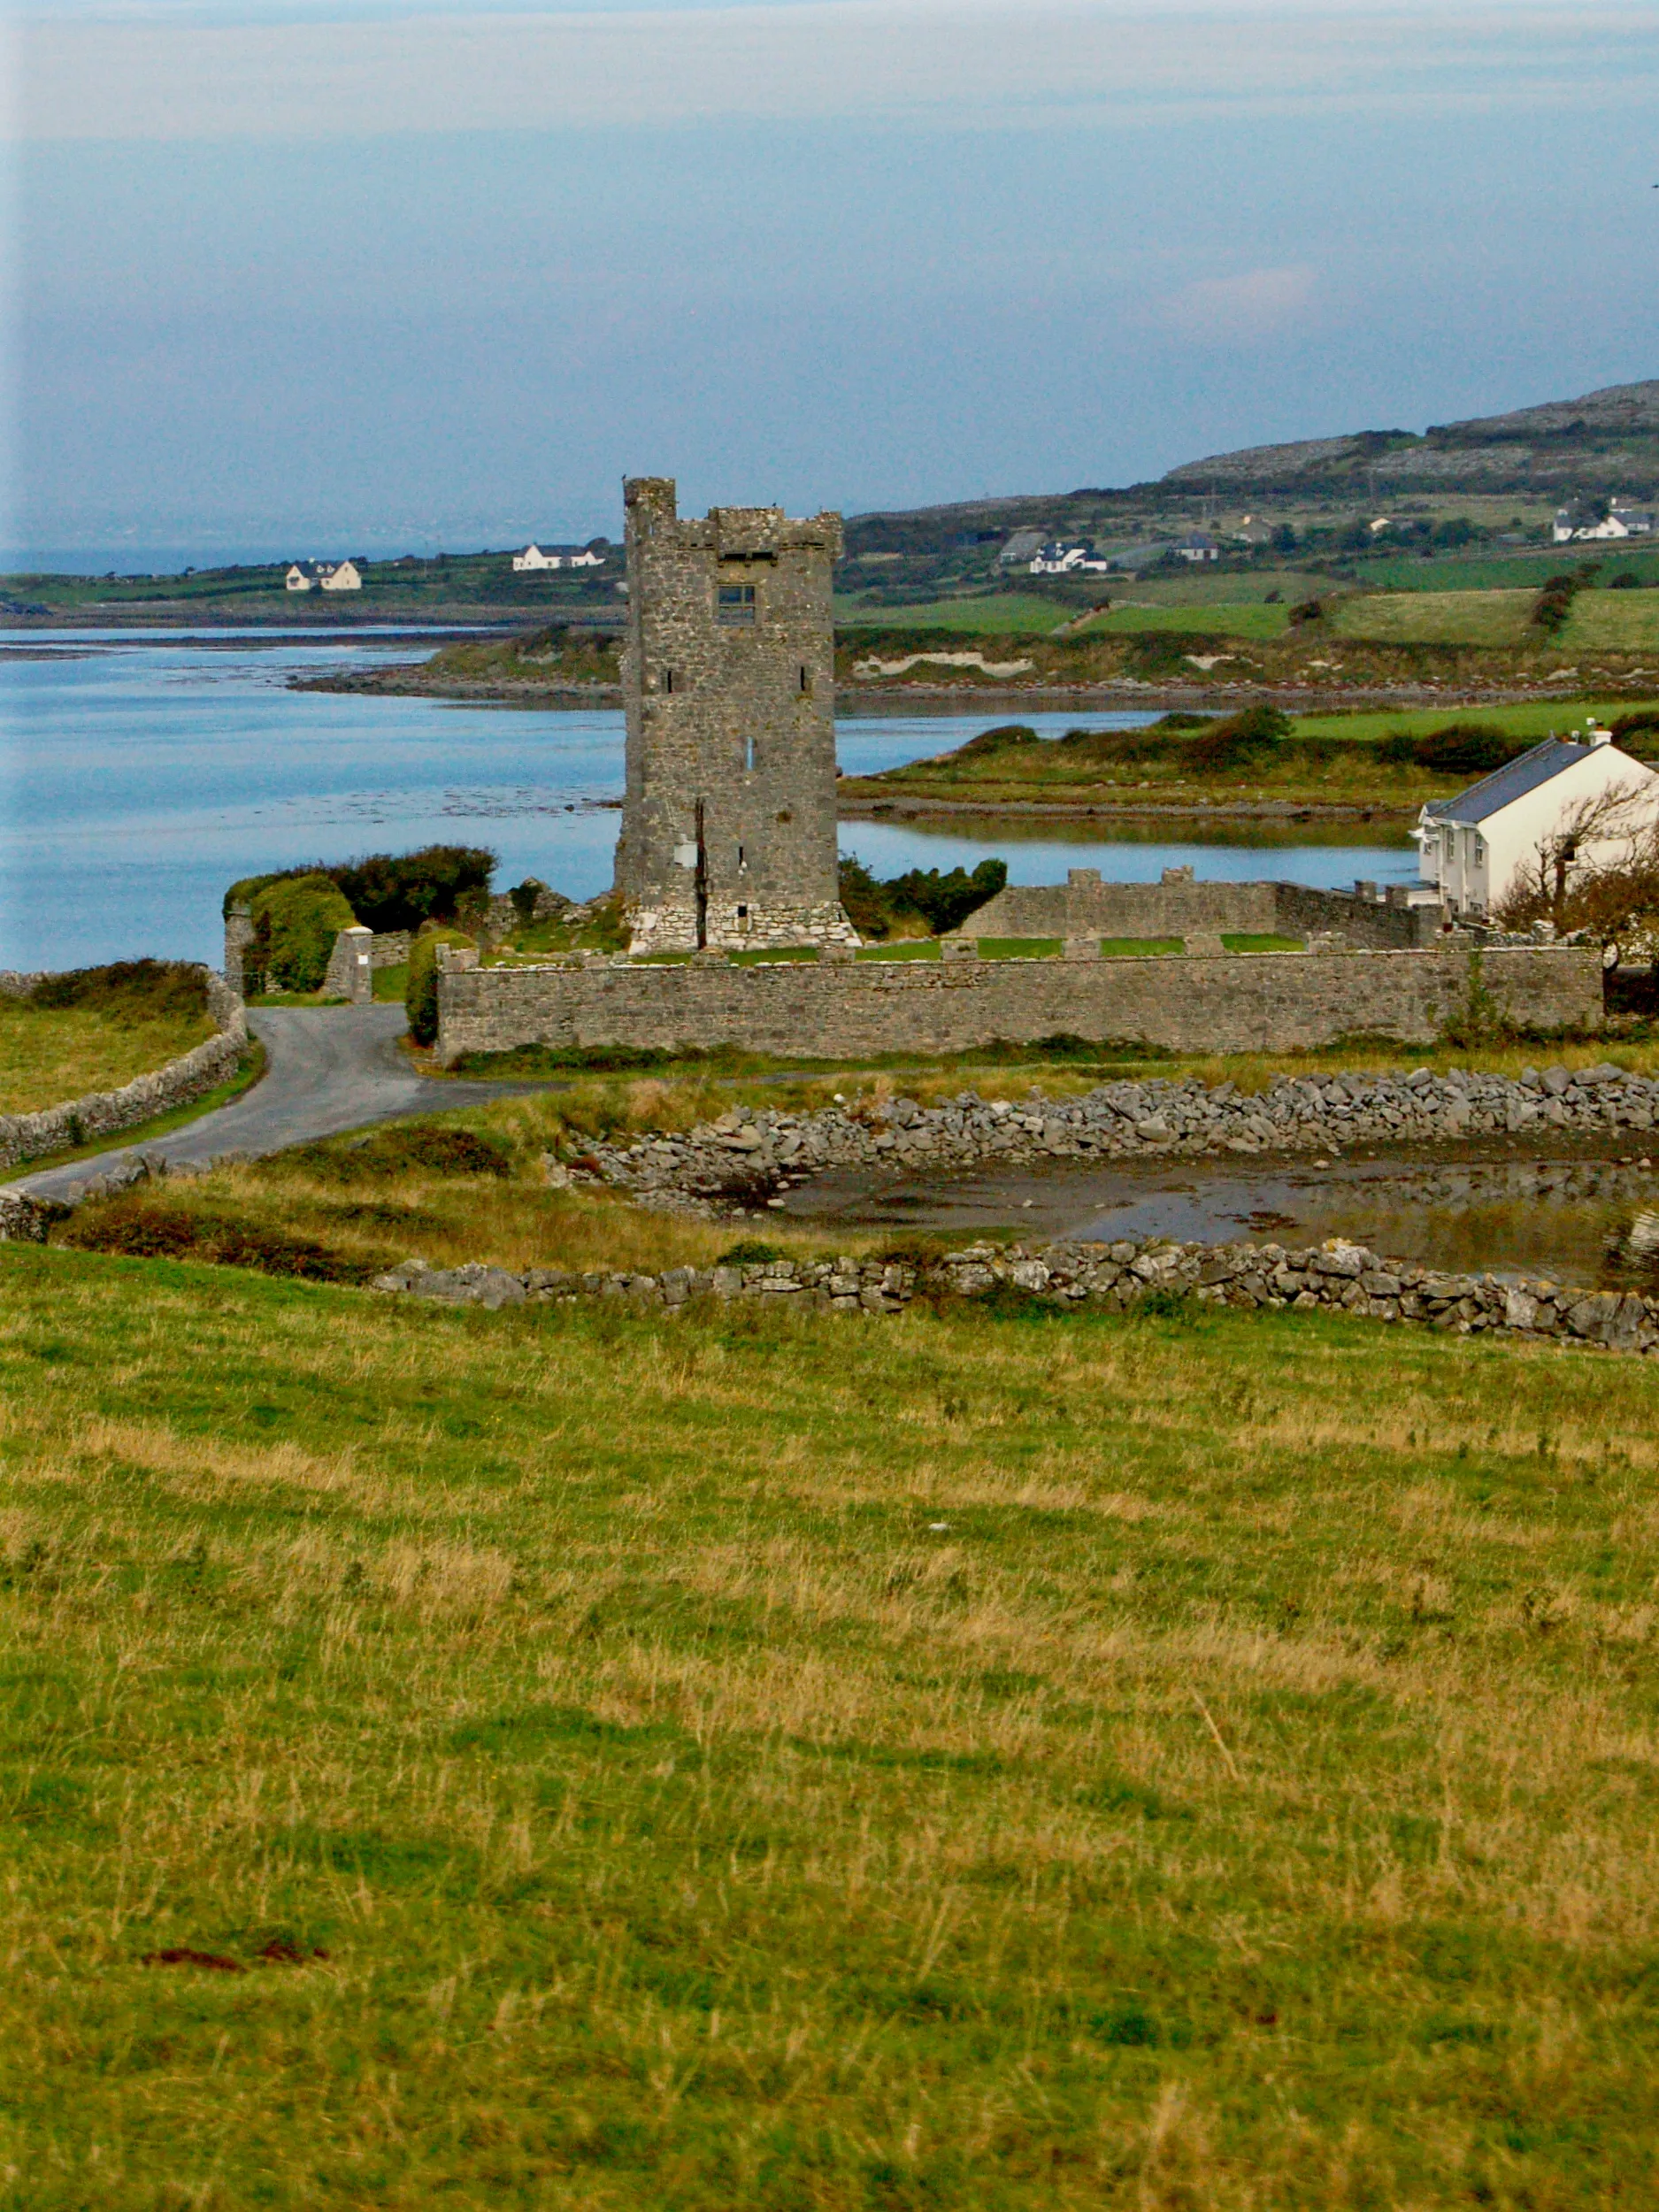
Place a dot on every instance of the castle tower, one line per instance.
(728, 825)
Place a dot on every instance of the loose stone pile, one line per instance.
(750, 1156)
(1336, 1277)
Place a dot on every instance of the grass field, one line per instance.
(1613, 621)
(565, 1758)
(50, 1053)
(992, 614)
(1238, 618)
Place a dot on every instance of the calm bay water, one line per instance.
(141, 773)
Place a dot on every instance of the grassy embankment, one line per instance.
(95, 1029)
(1328, 760)
(568, 1757)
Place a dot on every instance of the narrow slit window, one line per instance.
(739, 855)
(806, 680)
(748, 754)
(735, 605)
(668, 679)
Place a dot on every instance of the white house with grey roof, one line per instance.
(1475, 848)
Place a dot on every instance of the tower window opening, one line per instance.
(668, 679)
(740, 857)
(748, 754)
(806, 679)
(735, 604)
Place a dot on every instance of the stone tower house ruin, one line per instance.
(728, 824)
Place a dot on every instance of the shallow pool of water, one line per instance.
(1505, 1212)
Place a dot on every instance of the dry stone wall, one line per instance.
(1256, 1003)
(102, 1113)
(748, 1156)
(1336, 1277)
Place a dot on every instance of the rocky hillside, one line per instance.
(1608, 440)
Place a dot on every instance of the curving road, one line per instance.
(327, 1069)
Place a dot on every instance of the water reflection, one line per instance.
(1560, 1218)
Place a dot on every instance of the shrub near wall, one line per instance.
(296, 923)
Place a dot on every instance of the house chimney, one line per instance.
(1598, 736)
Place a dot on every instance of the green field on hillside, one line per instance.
(1622, 621)
(992, 613)
(751, 1761)
(1227, 618)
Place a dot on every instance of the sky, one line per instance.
(324, 276)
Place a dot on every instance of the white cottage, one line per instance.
(342, 576)
(1475, 848)
(532, 557)
(297, 580)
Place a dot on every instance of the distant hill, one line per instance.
(1607, 441)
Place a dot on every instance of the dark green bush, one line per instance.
(1238, 740)
(389, 891)
(137, 989)
(295, 922)
(420, 988)
(1554, 602)
(943, 900)
(1466, 748)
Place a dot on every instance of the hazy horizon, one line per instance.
(332, 276)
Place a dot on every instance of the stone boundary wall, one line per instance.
(1264, 1002)
(389, 948)
(1336, 1277)
(25, 1137)
(1085, 907)
(1082, 908)
(751, 1154)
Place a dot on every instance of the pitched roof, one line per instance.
(1508, 783)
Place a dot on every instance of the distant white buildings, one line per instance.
(324, 576)
(1077, 559)
(1195, 546)
(569, 557)
(1620, 520)
(1562, 804)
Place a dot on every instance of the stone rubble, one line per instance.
(1333, 1277)
(750, 1156)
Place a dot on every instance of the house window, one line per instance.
(735, 604)
(1480, 853)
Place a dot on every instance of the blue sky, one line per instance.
(320, 276)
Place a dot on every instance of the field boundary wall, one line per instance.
(25, 1137)
(1260, 1002)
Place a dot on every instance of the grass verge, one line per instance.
(96, 1029)
(563, 1758)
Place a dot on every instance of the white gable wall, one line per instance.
(1476, 864)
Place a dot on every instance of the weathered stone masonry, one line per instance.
(728, 821)
(1336, 1277)
(1261, 1002)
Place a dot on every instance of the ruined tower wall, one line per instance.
(728, 825)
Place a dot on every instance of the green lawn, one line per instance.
(1020, 948)
(1249, 941)
(1534, 719)
(1139, 947)
(747, 1762)
(1237, 618)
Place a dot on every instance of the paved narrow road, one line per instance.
(327, 1069)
